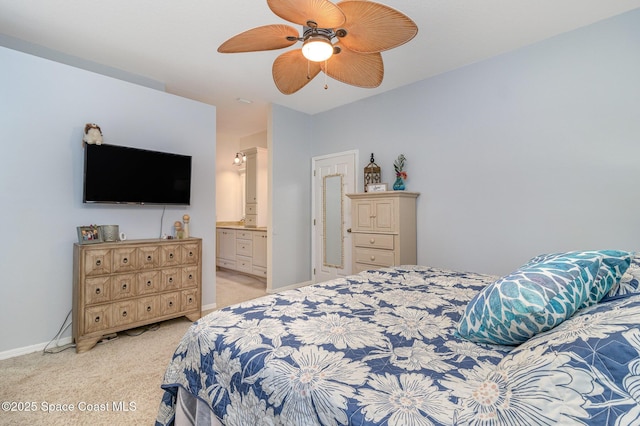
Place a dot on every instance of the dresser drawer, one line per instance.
(148, 307)
(123, 312)
(170, 303)
(123, 286)
(97, 318)
(189, 300)
(125, 259)
(171, 279)
(244, 264)
(381, 241)
(244, 247)
(97, 290)
(251, 220)
(224, 263)
(190, 276)
(374, 257)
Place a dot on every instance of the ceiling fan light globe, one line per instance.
(317, 49)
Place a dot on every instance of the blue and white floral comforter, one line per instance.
(379, 348)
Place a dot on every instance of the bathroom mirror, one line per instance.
(332, 211)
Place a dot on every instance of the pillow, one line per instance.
(630, 281)
(612, 268)
(537, 297)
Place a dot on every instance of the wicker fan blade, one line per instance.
(374, 27)
(356, 69)
(292, 71)
(322, 12)
(268, 37)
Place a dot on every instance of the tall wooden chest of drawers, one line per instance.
(128, 284)
(383, 226)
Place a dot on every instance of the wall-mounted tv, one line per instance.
(123, 175)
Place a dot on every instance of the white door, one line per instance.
(336, 261)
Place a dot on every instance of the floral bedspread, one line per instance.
(379, 348)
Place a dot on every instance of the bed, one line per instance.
(393, 347)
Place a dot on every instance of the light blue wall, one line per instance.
(43, 108)
(533, 151)
(289, 145)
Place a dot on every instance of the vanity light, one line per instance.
(240, 158)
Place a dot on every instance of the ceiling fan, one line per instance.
(343, 40)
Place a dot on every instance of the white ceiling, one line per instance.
(175, 42)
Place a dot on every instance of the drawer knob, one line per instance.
(149, 258)
(372, 240)
(190, 300)
(170, 303)
(97, 291)
(124, 286)
(170, 255)
(373, 258)
(98, 262)
(97, 319)
(148, 308)
(124, 314)
(125, 260)
(190, 254)
(149, 283)
(170, 280)
(190, 276)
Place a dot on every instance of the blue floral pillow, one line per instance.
(537, 297)
(612, 268)
(630, 281)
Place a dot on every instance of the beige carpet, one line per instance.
(124, 373)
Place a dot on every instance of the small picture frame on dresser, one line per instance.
(377, 187)
(89, 234)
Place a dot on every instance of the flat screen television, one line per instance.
(122, 175)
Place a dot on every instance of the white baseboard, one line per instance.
(289, 287)
(31, 349)
(210, 307)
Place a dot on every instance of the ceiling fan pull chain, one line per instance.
(308, 69)
(326, 68)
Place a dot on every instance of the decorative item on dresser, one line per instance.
(401, 175)
(372, 174)
(123, 285)
(384, 229)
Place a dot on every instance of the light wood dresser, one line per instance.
(128, 284)
(383, 226)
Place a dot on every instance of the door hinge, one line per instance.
(314, 271)
(314, 222)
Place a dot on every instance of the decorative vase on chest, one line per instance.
(398, 185)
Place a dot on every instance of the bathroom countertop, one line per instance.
(239, 225)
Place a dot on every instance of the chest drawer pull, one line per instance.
(149, 283)
(97, 319)
(149, 258)
(98, 262)
(170, 303)
(190, 276)
(125, 260)
(124, 286)
(148, 308)
(170, 255)
(124, 314)
(97, 291)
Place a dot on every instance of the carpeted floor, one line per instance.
(115, 383)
